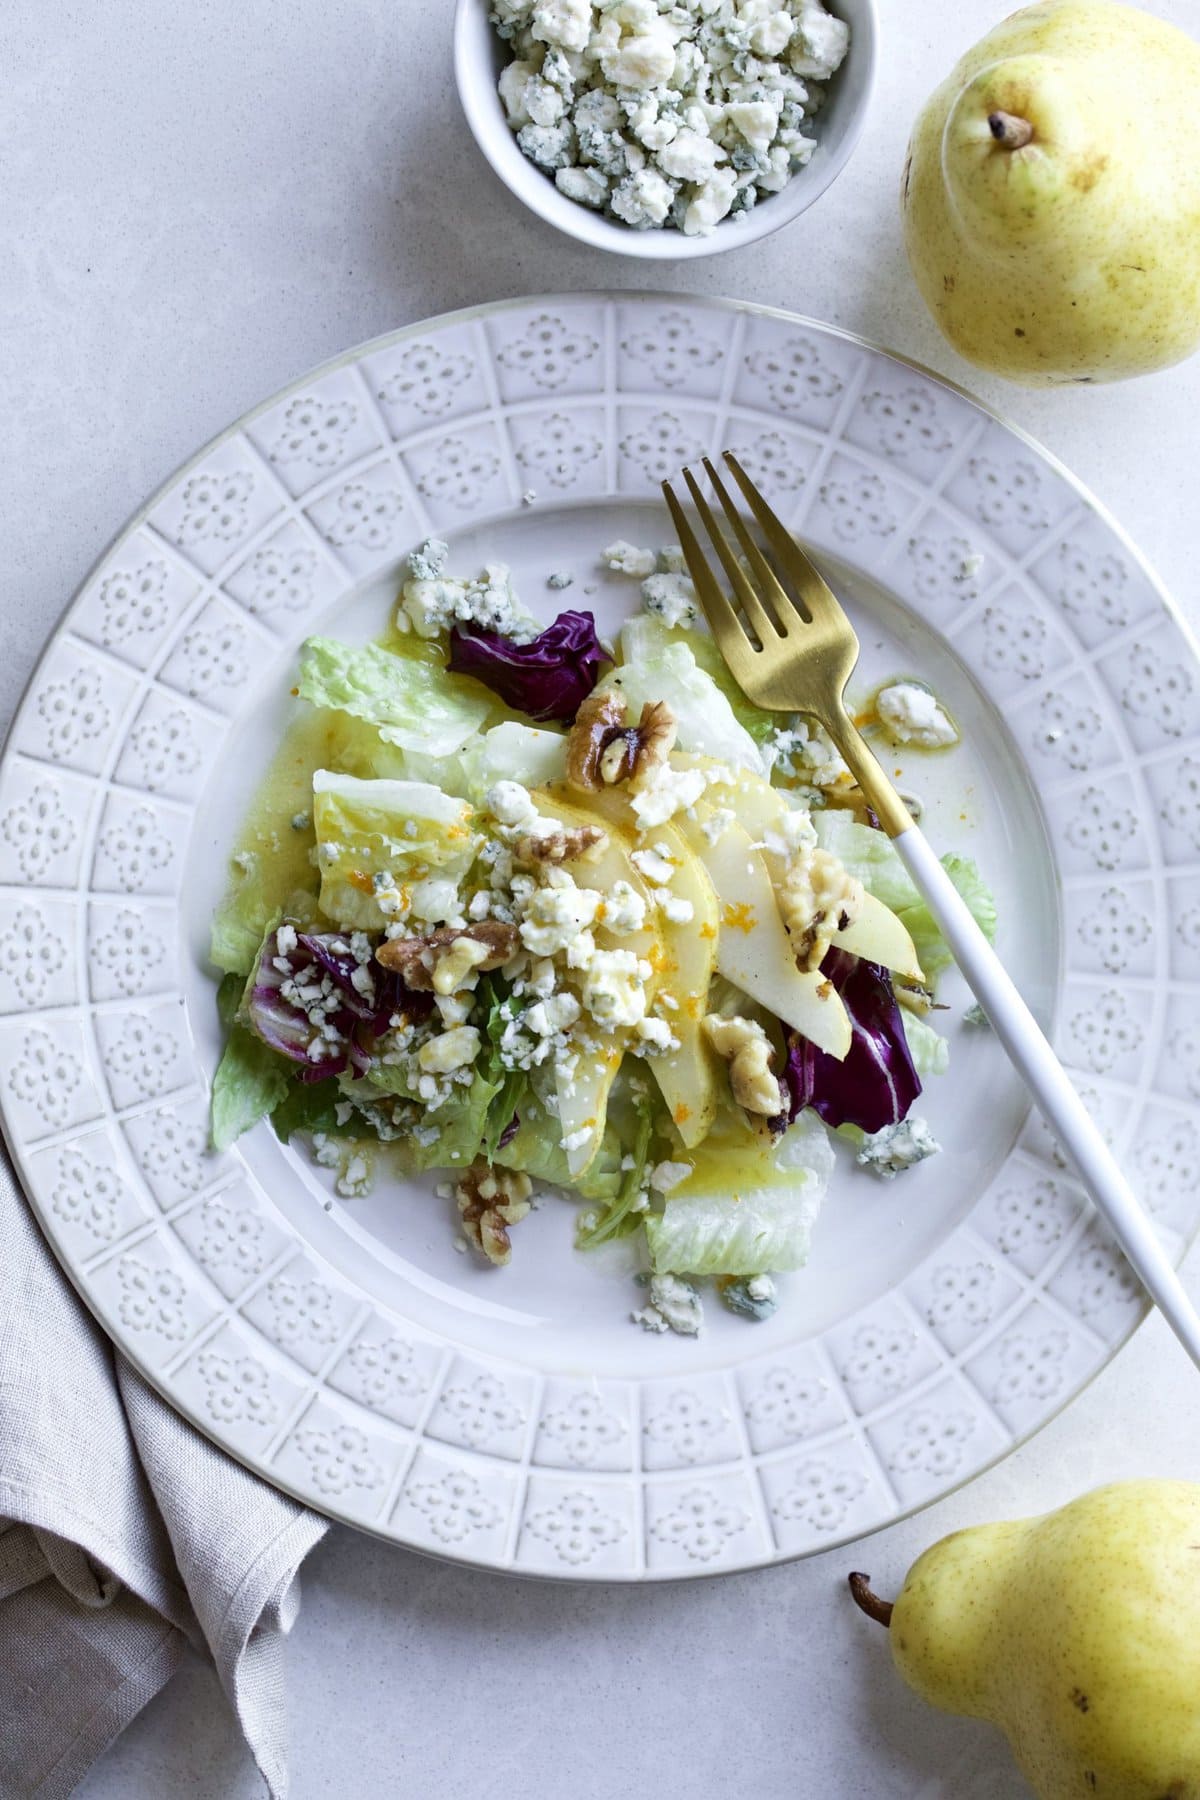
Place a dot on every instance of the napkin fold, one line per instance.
(124, 1535)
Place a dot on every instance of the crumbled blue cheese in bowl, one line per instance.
(661, 115)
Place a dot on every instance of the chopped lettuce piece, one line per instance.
(459, 1123)
(370, 831)
(644, 637)
(928, 1048)
(623, 1213)
(311, 1106)
(536, 1148)
(705, 717)
(240, 923)
(749, 1205)
(250, 1080)
(502, 1120)
(871, 856)
(514, 752)
(410, 703)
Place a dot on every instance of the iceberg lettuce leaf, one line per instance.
(706, 720)
(644, 636)
(928, 1048)
(748, 1207)
(411, 704)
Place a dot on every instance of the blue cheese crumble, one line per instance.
(432, 601)
(911, 713)
(890, 1152)
(667, 115)
(671, 1305)
(667, 590)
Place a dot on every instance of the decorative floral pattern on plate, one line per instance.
(699, 1523)
(576, 1528)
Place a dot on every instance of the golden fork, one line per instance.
(797, 659)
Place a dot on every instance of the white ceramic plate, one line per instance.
(517, 1419)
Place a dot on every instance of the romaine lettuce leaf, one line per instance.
(511, 1085)
(619, 1217)
(311, 1106)
(514, 752)
(459, 1123)
(410, 703)
(933, 952)
(749, 1205)
(250, 1080)
(536, 1147)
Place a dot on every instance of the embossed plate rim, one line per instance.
(852, 1427)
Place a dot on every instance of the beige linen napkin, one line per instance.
(123, 1534)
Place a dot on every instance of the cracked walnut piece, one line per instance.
(603, 749)
(817, 899)
(568, 845)
(745, 1046)
(490, 1200)
(427, 963)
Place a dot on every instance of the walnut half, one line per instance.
(818, 898)
(745, 1046)
(603, 748)
(489, 1201)
(418, 960)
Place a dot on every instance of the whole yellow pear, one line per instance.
(1078, 1633)
(1051, 196)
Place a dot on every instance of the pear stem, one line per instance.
(1010, 132)
(866, 1601)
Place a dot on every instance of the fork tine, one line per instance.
(763, 572)
(722, 619)
(809, 581)
(763, 626)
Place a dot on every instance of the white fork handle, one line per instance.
(1051, 1087)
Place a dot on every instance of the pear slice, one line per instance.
(601, 869)
(688, 1078)
(876, 935)
(753, 950)
(583, 1086)
(583, 1090)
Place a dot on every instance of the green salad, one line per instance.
(541, 913)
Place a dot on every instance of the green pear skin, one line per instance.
(1078, 1633)
(1051, 197)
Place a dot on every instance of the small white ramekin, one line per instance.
(480, 55)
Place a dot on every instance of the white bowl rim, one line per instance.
(528, 183)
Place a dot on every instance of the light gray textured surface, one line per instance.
(199, 204)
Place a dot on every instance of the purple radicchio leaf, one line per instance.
(510, 1131)
(876, 1083)
(549, 678)
(359, 1012)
